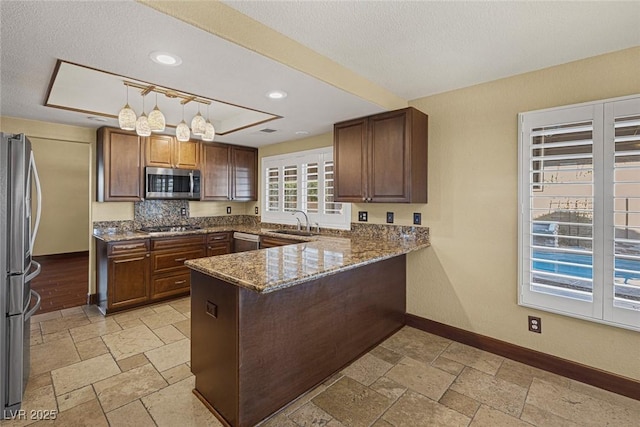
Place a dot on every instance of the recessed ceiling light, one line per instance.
(165, 58)
(302, 132)
(96, 119)
(276, 94)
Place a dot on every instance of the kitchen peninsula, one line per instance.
(269, 325)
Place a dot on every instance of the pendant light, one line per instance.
(156, 119)
(198, 123)
(127, 117)
(142, 124)
(182, 130)
(209, 130)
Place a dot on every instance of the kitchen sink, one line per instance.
(295, 232)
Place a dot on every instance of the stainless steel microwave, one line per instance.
(166, 183)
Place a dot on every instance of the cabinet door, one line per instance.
(218, 248)
(159, 151)
(120, 165)
(350, 160)
(244, 173)
(128, 280)
(389, 157)
(187, 154)
(216, 172)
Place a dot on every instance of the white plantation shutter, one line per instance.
(579, 223)
(302, 181)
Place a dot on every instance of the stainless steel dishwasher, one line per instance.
(243, 242)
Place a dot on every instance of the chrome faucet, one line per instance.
(308, 226)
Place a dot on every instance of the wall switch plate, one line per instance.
(363, 216)
(417, 218)
(256, 210)
(228, 209)
(183, 211)
(389, 217)
(535, 324)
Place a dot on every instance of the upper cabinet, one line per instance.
(120, 166)
(229, 172)
(382, 158)
(167, 152)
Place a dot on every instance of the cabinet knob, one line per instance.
(147, 255)
(364, 199)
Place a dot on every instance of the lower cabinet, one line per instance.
(218, 244)
(123, 270)
(270, 242)
(170, 276)
(137, 272)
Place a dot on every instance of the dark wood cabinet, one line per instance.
(170, 276)
(218, 244)
(244, 173)
(229, 172)
(167, 152)
(270, 242)
(123, 270)
(382, 158)
(120, 166)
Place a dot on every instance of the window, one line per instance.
(302, 181)
(579, 225)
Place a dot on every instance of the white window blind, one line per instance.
(580, 211)
(302, 181)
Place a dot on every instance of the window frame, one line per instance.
(602, 115)
(320, 156)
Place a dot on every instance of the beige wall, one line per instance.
(468, 277)
(62, 155)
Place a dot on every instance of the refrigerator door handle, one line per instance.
(32, 167)
(33, 274)
(35, 308)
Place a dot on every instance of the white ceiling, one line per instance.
(420, 48)
(411, 48)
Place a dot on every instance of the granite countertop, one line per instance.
(267, 270)
(271, 269)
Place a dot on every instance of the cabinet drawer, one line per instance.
(218, 248)
(171, 261)
(218, 237)
(131, 246)
(270, 242)
(170, 285)
(172, 242)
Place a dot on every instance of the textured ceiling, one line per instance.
(419, 48)
(412, 48)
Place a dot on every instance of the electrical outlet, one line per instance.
(228, 209)
(183, 211)
(535, 324)
(363, 216)
(417, 218)
(256, 210)
(389, 217)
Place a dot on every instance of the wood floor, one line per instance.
(63, 281)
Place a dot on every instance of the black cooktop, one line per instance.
(169, 228)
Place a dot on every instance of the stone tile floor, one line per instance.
(132, 369)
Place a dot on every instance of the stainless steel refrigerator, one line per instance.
(18, 230)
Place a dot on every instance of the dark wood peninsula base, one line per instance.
(252, 353)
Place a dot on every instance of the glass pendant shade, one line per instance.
(182, 132)
(142, 126)
(157, 121)
(198, 124)
(209, 132)
(127, 118)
